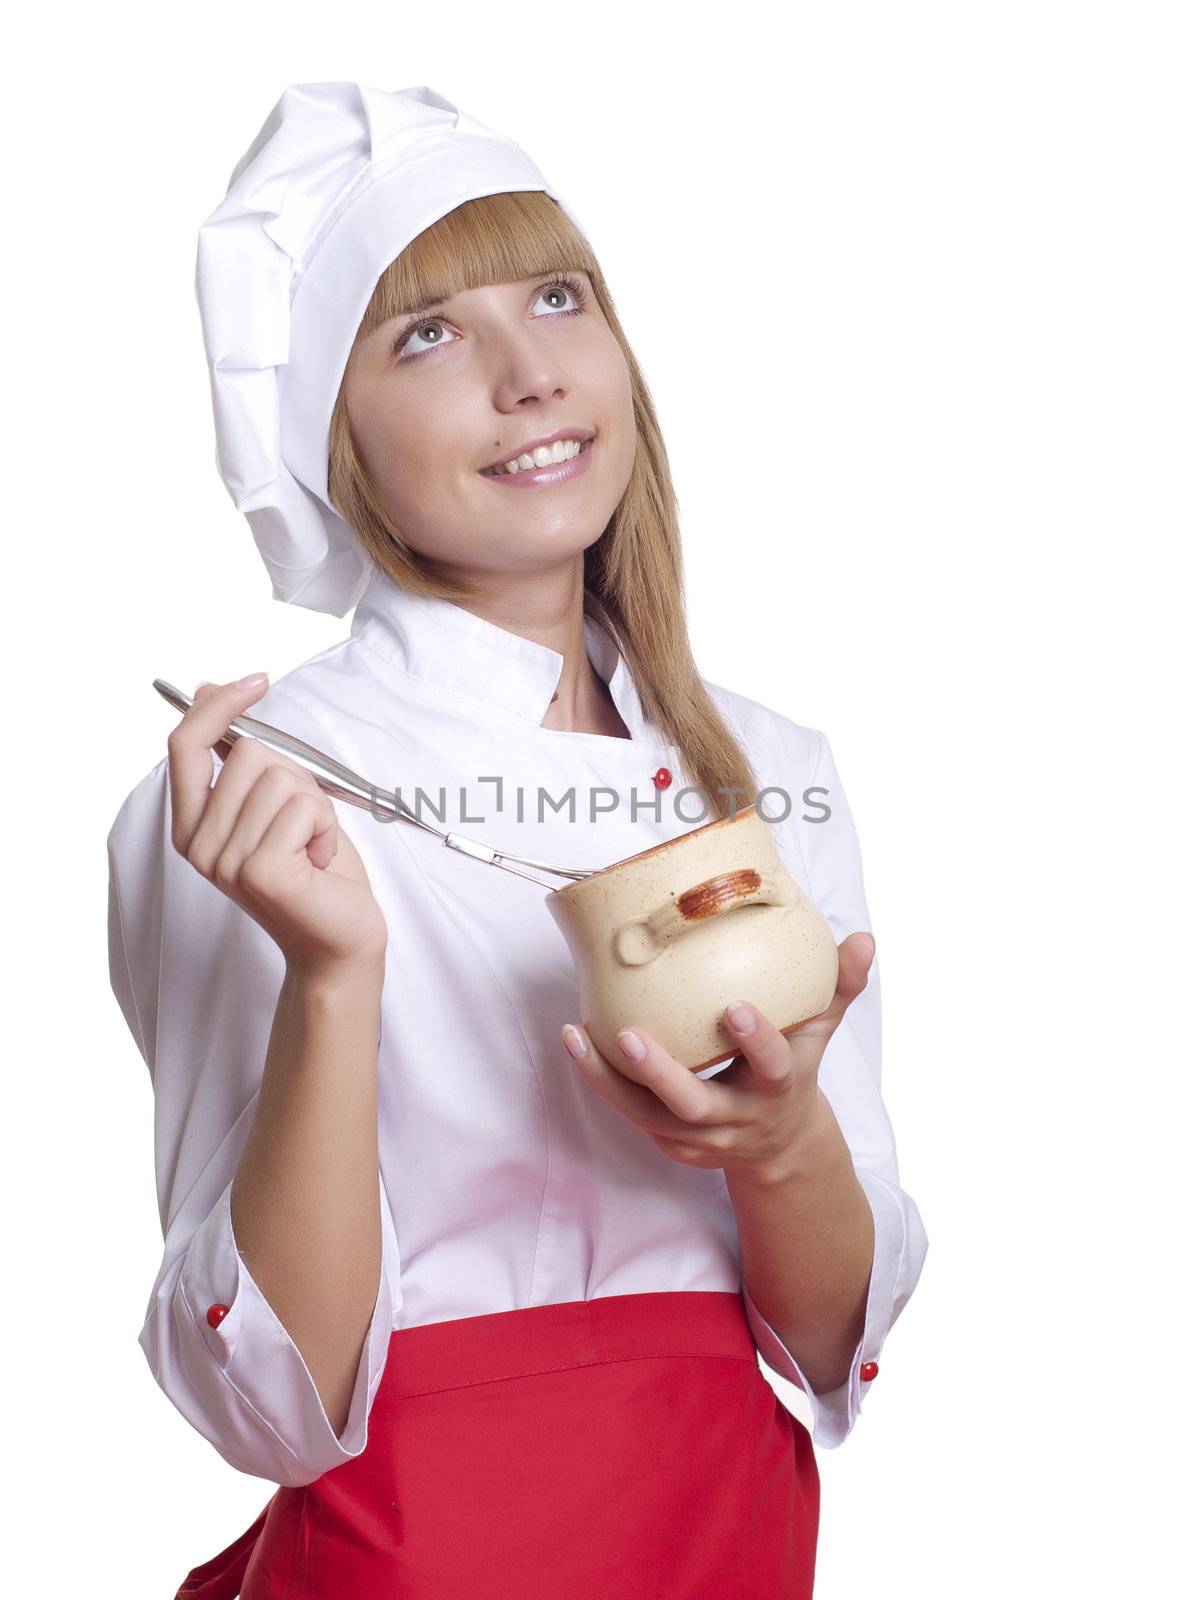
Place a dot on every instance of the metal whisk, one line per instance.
(342, 783)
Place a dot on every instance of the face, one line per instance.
(436, 398)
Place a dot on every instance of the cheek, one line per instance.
(620, 411)
(618, 391)
(396, 448)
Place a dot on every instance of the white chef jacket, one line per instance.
(505, 1180)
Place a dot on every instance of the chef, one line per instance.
(485, 1305)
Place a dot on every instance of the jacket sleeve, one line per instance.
(197, 980)
(850, 1076)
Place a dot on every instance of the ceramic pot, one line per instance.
(668, 938)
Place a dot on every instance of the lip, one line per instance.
(583, 434)
(544, 477)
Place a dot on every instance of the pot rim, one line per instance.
(666, 844)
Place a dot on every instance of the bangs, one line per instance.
(498, 238)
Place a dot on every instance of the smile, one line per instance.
(547, 465)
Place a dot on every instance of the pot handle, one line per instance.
(640, 941)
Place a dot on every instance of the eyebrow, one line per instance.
(443, 300)
(423, 305)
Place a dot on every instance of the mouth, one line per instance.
(543, 452)
(565, 459)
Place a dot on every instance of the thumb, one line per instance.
(323, 848)
(856, 958)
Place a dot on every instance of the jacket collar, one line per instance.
(453, 650)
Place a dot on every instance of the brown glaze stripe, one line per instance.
(706, 899)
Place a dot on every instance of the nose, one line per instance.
(526, 369)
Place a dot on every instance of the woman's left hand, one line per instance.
(752, 1116)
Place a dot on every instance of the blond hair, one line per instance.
(633, 574)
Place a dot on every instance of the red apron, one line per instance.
(627, 1446)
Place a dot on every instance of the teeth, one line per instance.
(547, 455)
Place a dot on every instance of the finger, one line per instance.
(302, 818)
(273, 787)
(248, 761)
(322, 838)
(221, 746)
(241, 805)
(855, 956)
(709, 1154)
(191, 765)
(635, 1089)
(760, 1042)
(693, 1099)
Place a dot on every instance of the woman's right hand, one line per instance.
(267, 835)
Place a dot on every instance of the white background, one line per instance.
(912, 288)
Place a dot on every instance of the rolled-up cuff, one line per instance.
(253, 1354)
(835, 1412)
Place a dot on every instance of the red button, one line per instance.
(662, 778)
(216, 1314)
(869, 1370)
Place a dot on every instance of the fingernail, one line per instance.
(740, 1017)
(573, 1041)
(253, 681)
(631, 1044)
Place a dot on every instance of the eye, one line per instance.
(415, 330)
(569, 286)
(566, 286)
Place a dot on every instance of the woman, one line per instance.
(486, 1311)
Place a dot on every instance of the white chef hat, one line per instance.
(336, 184)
